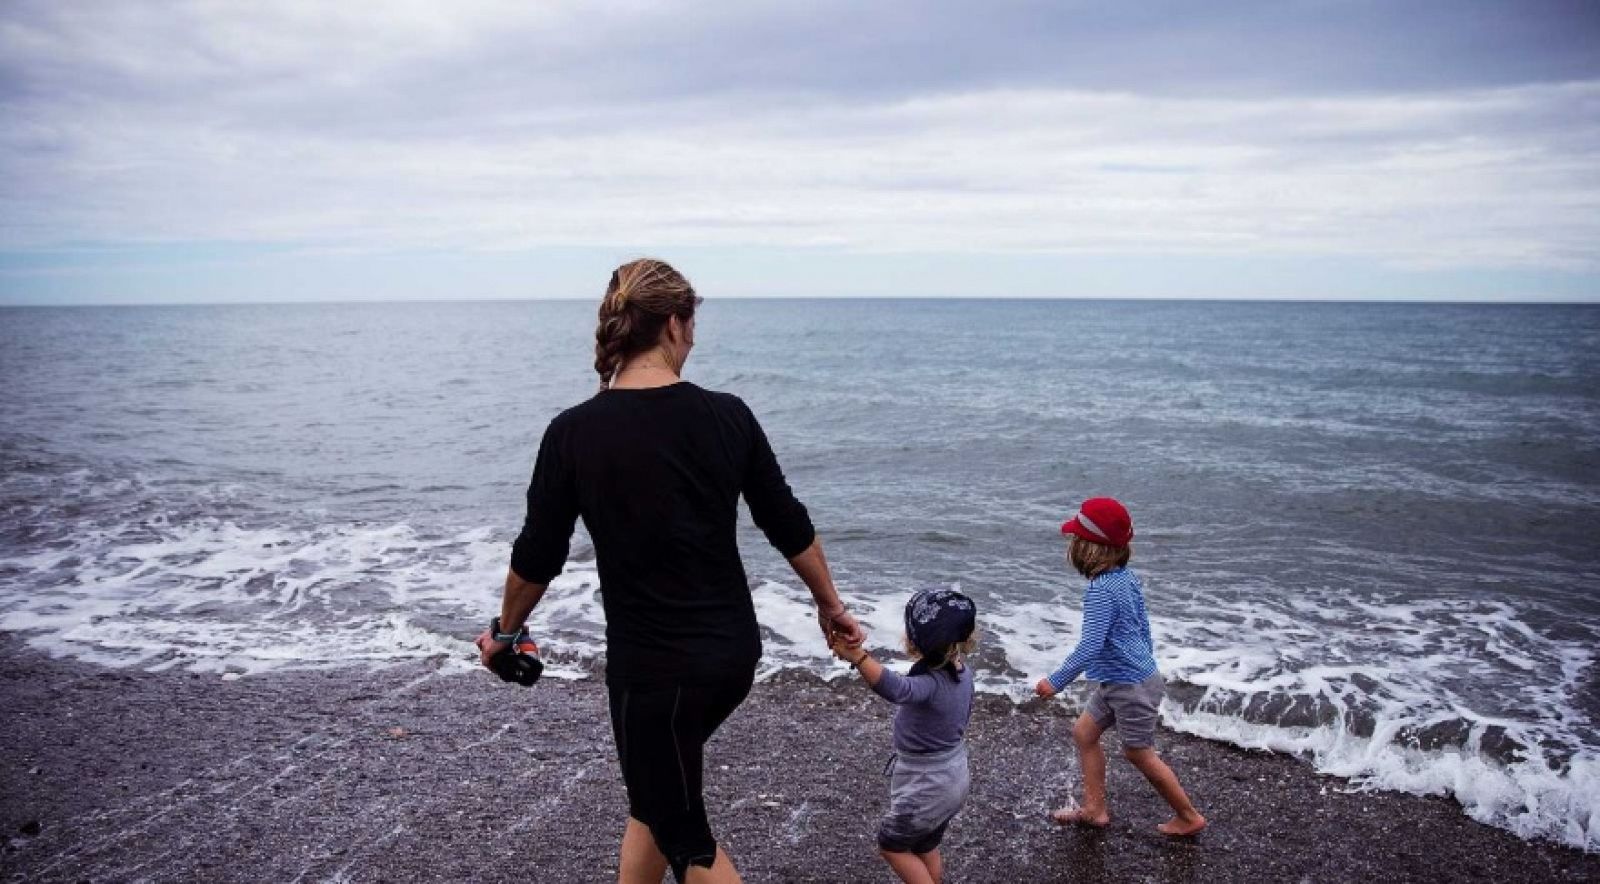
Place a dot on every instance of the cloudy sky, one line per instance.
(220, 151)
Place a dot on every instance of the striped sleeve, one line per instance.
(1098, 611)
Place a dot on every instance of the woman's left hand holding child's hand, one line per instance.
(1044, 688)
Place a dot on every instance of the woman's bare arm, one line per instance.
(811, 566)
(518, 602)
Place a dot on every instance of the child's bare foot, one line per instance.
(1180, 827)
(1081, 816)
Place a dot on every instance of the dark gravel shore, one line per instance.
(411, 774)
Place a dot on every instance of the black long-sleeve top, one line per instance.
(656, 475)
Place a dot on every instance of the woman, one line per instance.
(655, 466)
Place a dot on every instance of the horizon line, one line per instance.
(1576, 302)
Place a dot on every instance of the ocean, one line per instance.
(1369, 533)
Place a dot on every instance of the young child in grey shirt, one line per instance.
(928, 778)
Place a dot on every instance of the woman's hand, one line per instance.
(839, 624)
(488, 647)
(1044, 688)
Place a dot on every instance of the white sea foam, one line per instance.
(1414, 697)
(1368, 689)
(1532, 797)
(214, 597)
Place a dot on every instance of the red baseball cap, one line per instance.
(1101, 520)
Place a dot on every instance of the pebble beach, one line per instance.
(425, 772)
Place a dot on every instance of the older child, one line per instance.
(929, 778)
(1116, 651)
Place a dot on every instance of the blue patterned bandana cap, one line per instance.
(936, 618)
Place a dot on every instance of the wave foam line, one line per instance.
(1530, 798)
(211, 596)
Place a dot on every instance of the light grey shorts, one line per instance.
(925, 791)
(1133, 709)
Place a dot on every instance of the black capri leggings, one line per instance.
(661, 735)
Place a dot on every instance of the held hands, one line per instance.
(844, 650)
(838, 623)
(1044, 688)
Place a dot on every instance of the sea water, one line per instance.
(1369, 534)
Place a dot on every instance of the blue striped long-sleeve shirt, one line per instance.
(1115, 645)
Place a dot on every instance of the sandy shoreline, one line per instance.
(414, 774)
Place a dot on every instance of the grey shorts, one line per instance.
(925, 791)
(1133, 709)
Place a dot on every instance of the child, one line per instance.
(1116, 651)
(929, 776)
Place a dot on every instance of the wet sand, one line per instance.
(413, 774)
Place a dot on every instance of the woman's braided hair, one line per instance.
(641, 297)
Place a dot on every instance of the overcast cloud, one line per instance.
(1416, 137)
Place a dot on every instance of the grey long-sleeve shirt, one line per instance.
(934, 708)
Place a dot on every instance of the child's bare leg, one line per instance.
(1086, 736)
(1188, 820)
(909, 867)
(934, 863)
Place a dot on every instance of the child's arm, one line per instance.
(1097, 615)
(902, 690)
(857, 657)
(891, 686)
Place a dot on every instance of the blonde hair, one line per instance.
(640, 299)
(955, 652)
(1093, 559)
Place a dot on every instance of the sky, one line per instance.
(302, 151)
